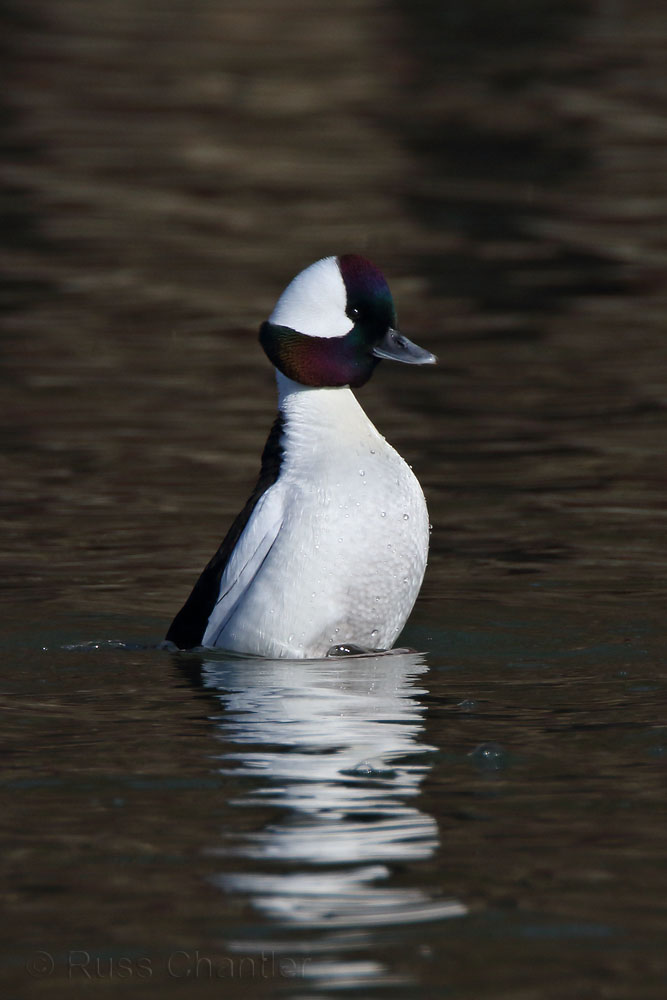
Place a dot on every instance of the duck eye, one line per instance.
(353, 312)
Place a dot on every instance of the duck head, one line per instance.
(333, 324)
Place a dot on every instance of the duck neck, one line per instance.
(324, 415)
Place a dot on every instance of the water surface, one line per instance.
(483, 814)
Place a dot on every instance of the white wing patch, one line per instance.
(250, 551)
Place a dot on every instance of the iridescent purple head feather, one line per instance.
(333, 323)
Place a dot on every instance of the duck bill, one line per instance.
(395, 347)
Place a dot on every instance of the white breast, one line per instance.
(348, 557)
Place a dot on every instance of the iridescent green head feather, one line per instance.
(333, 323)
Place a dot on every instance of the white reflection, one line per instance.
(337, 746)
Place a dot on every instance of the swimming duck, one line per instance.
(330, 550)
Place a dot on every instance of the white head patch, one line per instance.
(314, 302)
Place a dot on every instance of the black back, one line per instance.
(188, 627)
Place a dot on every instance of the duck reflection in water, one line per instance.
(336, 744)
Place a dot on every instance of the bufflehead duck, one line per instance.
(330, 549)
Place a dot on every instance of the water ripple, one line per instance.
(338, 748)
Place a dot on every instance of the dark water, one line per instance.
(483, 817)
